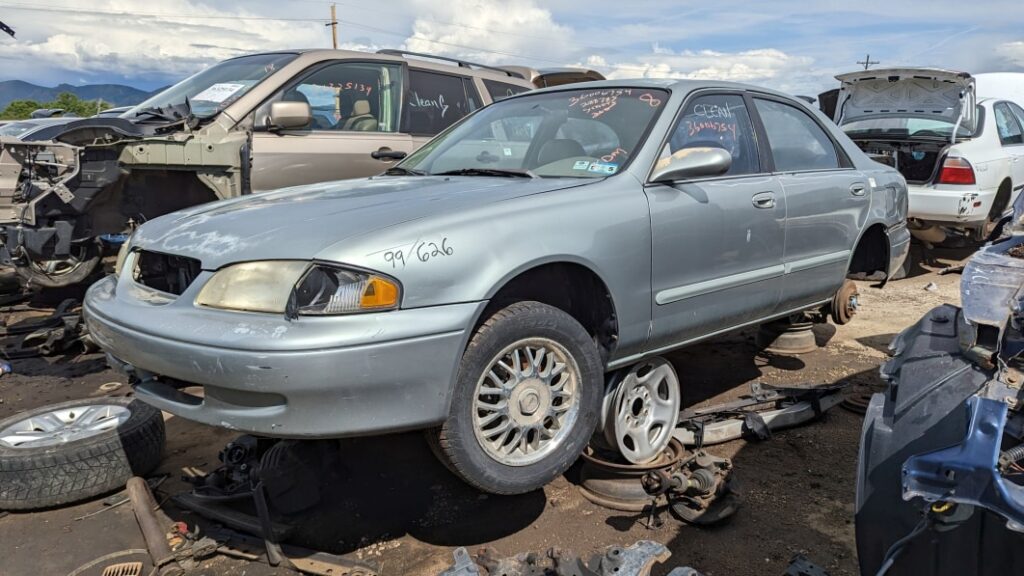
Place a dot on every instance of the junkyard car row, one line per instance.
(487, 254)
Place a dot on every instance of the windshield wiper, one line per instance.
(403, 171)
(505, 172)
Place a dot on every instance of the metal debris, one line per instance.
(635, 560)
(52, 334)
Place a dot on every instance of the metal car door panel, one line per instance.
(717, 255)
(305, 157)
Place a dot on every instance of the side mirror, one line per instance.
(692, 163)
(289, 115)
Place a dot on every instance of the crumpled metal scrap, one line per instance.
(635, 560)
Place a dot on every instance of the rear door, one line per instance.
(356, 110)
(437, 100)
(827, 201)
(1010, 125)
(717, 242)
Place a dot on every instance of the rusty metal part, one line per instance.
(146, 514)
(123, 569)
(845, 303)
(635, 560)
(301, 559)
(616, 484)
(858, 402)
(787, 337)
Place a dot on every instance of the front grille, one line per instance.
(165, 272)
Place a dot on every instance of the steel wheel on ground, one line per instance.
(525, 402)
(642, 410)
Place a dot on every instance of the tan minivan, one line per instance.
(252, 123)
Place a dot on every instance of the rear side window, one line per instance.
(797, 142)
(1007, 126)
(499, 90)
(1017, 111)
(436, 101)
(721, 121)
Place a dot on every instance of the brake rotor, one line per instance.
(845, 303)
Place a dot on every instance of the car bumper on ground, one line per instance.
(956, 206)
(263, 374)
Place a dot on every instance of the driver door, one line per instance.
(355, 111)
(717, 241)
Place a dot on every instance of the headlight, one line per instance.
(298, 288)
(122, 255)
(328, 290)
(253, 286)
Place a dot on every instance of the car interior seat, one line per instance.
(361, 120)
(560, 149)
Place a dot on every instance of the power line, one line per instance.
(96, 12)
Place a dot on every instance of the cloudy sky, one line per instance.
(793, 45)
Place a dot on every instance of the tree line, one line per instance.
(71, 104)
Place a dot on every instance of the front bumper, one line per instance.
(323, 377)
(958, 206)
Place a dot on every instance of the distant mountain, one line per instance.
(115, 94)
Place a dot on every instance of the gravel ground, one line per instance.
(397, 508)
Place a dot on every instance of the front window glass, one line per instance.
(213, 89)
(719, 121)
(573, 133)
(348, 97)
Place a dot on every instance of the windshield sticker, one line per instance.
(581, 165)
(602, 168)
(218, 92)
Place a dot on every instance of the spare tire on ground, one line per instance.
(67, 452)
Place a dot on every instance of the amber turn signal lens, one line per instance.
(379, 293)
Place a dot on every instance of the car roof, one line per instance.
(421, 61)
(672, 84)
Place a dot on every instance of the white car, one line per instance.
(963, 158)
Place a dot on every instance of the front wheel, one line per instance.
(526, 400)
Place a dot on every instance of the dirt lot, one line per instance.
(397, 508)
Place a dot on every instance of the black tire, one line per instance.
(87, 265)
(48, 476)
(455, 442)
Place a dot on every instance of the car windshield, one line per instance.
(906, 127)
(16, 128)
(213, 89)
(589, 133)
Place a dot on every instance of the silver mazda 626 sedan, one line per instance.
(483, 287)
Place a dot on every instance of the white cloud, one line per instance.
(502, 31)
(1012, 52)
(83, 45)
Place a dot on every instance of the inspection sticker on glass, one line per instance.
(581, 165)
(218, 92)
(603, 168)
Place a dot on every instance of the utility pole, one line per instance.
(868, 62)
(334, 26)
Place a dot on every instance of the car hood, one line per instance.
(906, 92)
(300, 222)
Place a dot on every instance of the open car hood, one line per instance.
(907, 92)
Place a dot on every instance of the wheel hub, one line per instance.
(527, 402)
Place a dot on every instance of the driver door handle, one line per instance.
(763, 200)
(387, 154)
(858, 190)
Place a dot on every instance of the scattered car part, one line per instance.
(147, 514)
(801, 566)
(62, 453)
(85, 568)
(45, 336)
(123, 569)
(845, 303)
(765, 408)
(641, 407)
(787, 336)
(635, 560)
(607, 480)
(231, 543)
